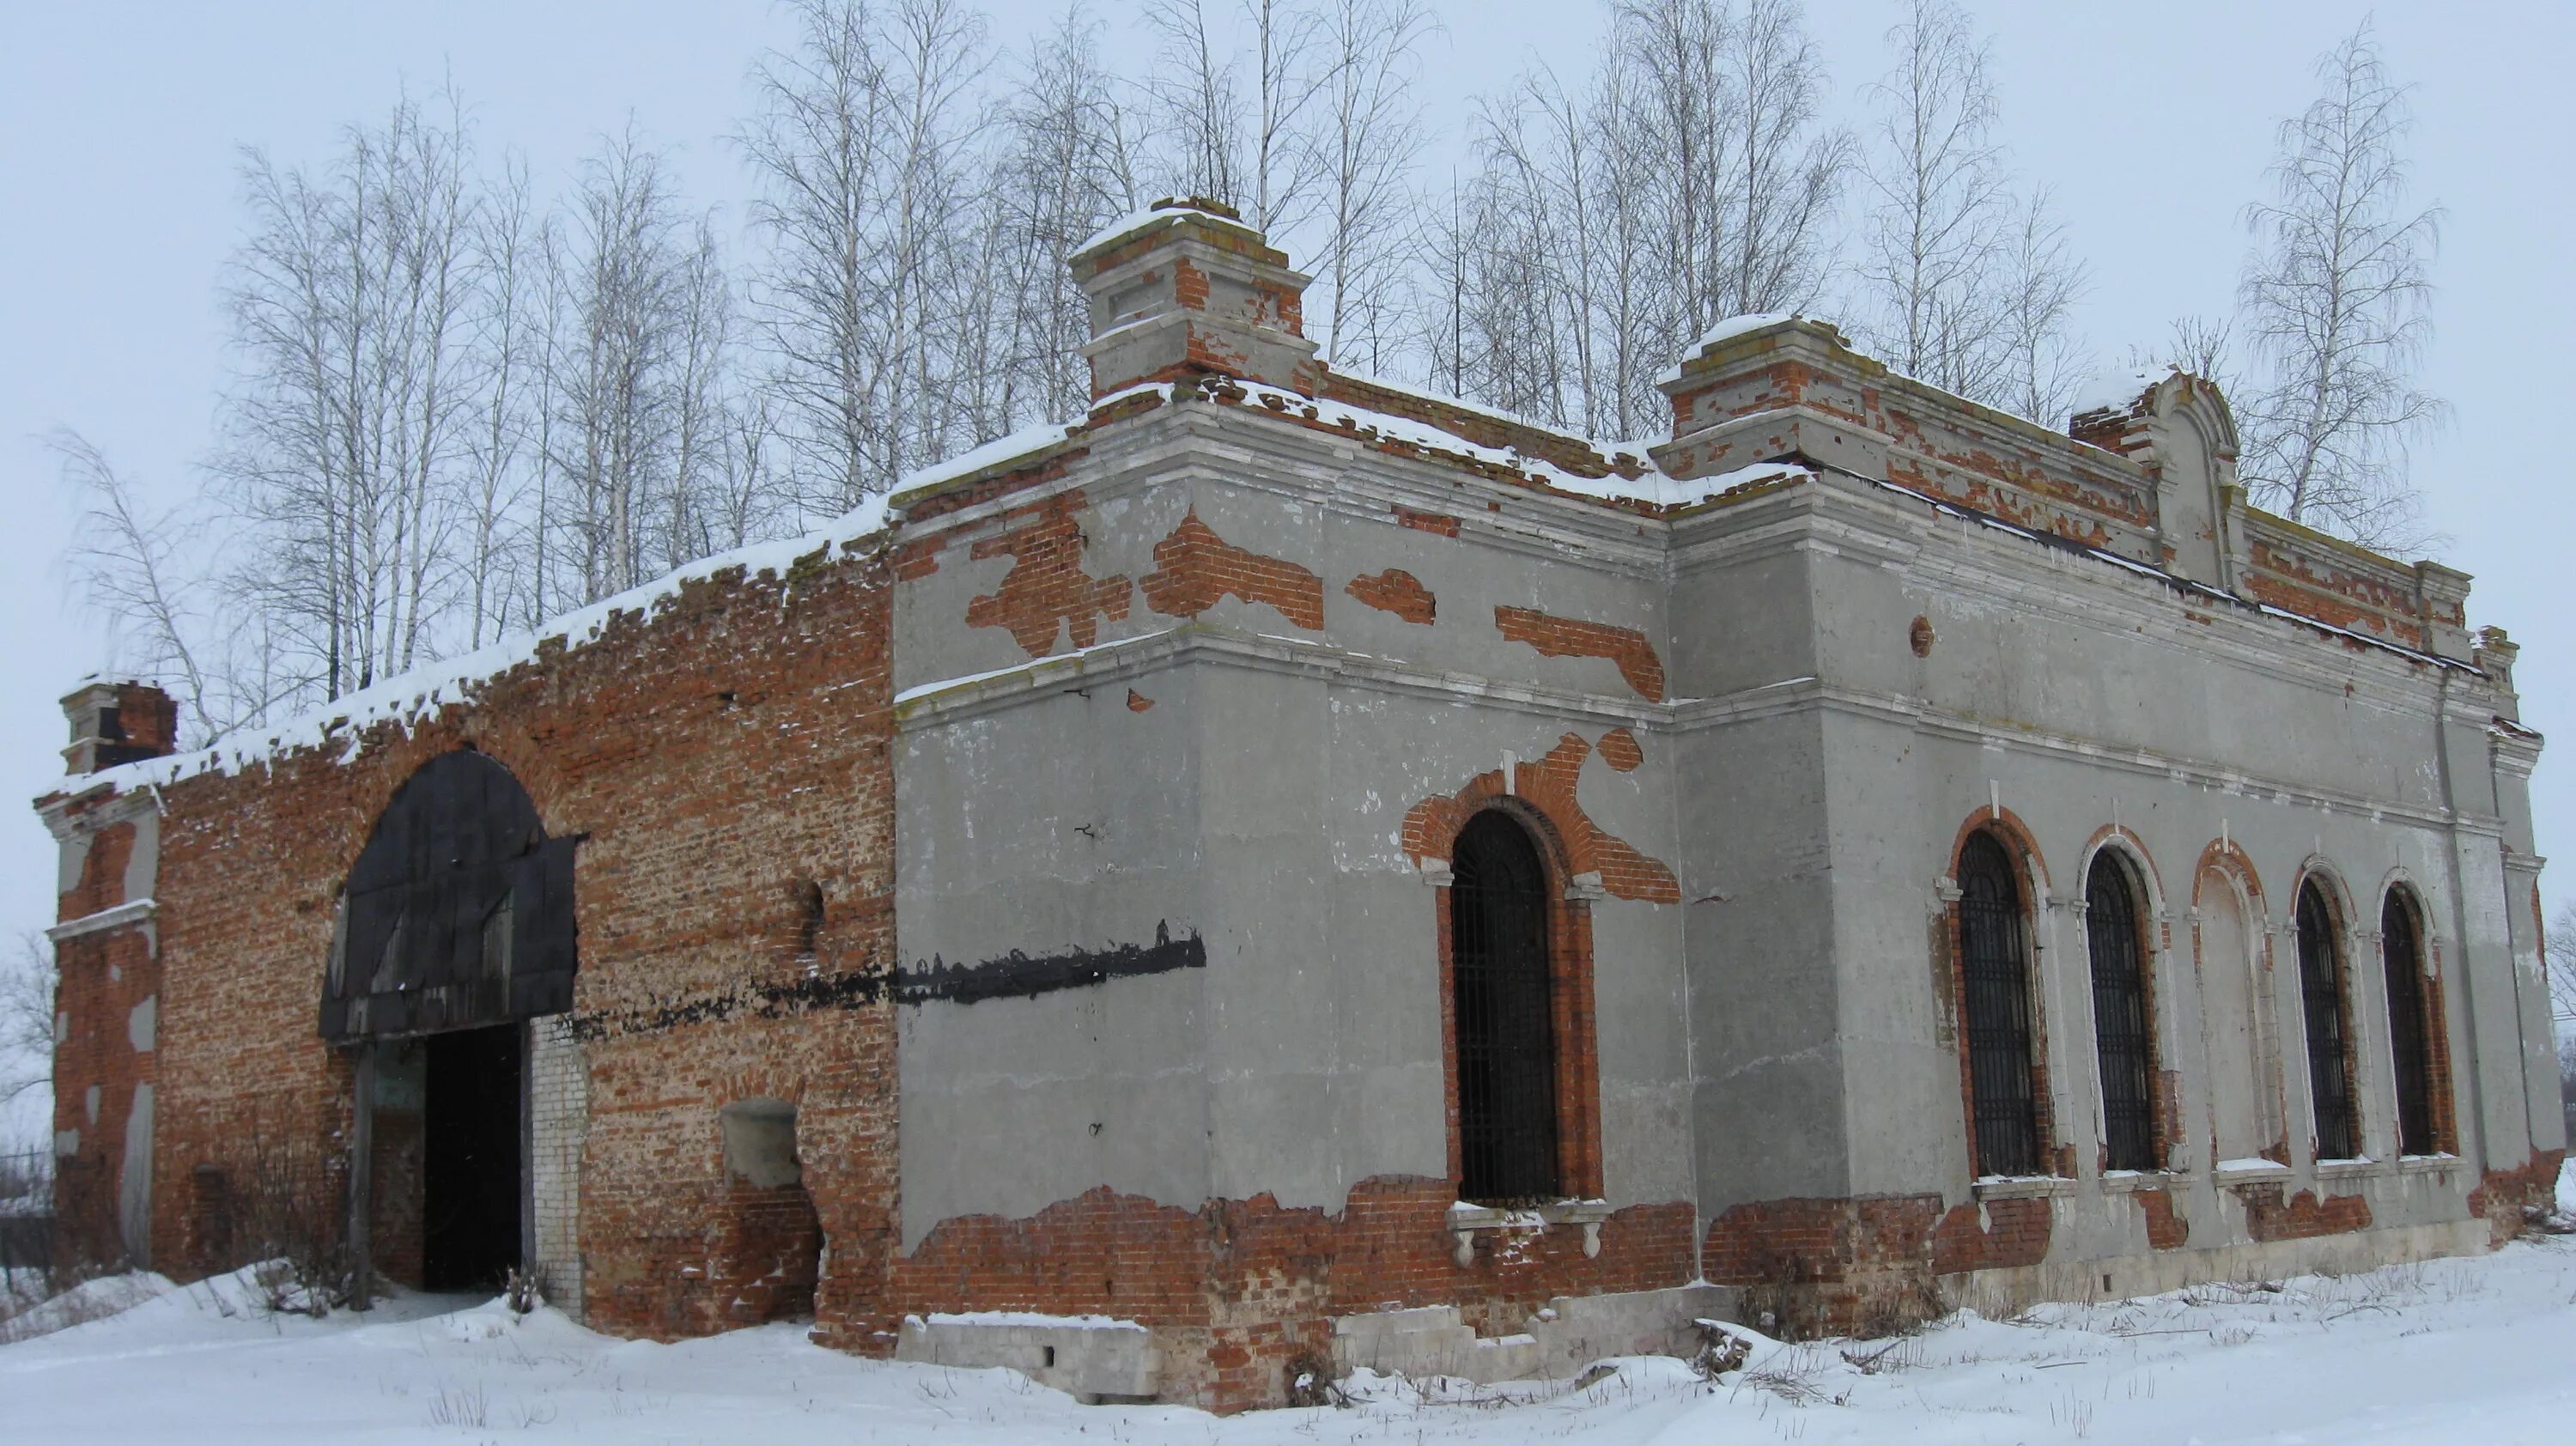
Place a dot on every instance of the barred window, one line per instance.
(2321, 998)
(2124, 1039)
(1501, 982)
(1994, 973)
(2410, 1033)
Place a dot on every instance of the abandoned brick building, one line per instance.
(1285, 869)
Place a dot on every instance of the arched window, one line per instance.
(2321, 999)
(1498, 930)
(1994, 971)
(2410, 1027)
(2123, 1038)
(457, 914)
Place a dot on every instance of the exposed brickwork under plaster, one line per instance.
(105, 978)
(1240, 1287)
(2166, 1227)
(1194, 568)
(1396, 591)
(102, 877)
(1046, 594)
(1864, 1265)
(1440, 523)
(1619, 749)
(2503, 1196)
(1548, 785)
(1557, 637)
(2272, 1212)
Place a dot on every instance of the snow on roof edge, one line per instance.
(407, 697)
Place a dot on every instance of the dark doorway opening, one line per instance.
(471, 1153)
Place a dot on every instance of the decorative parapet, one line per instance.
(2345, 585)
(1793, 386)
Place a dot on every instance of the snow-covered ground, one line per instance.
(2479, 1350)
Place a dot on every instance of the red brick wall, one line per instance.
(1242, 1287)
(1396, 591)
(2273, 1213)
(713, 759)
(1557, 637)
(1864, 1266)
(104, 977)
(1194, 567)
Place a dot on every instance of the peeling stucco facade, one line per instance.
(1131, 770)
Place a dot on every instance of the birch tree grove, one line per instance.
(2334, 307)
(469, 393)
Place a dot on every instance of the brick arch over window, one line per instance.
(457, 913)
(1573, 1082)
(2318, 923)
(2418, 1026)
(2120, 939)
(1994, 980)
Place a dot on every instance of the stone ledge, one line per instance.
(2126, 1180)
(1092, 1359)
(1465, 1220)
(139, 911)
(2023, 1187)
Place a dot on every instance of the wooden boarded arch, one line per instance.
(457, 914)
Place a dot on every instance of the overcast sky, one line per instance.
(120, 126)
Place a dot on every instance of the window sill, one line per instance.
(2114, 1181)
(2428, 1164)
(2348, 1169)
(2021, 1187)
(2243, 1172)
(1465, 1220)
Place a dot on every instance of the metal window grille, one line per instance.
(2122, 1039)
(2321, 1000)
(1994, 957)
(1505, 1030)
(2409, 1028)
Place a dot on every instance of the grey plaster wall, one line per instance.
(1258, 802)
(2077, 697)
(1781, 1032)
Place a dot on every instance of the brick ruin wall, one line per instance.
(106, 1014)
(722, 762)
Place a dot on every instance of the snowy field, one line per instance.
(2480, 1350)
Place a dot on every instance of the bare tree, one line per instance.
(1066, 167)
(819, 142)
(349, 304)
(508, 246)
(2204, 346)
(1198, 102)
(122, 558)
(1285, 162)
(1371, 139)
(1789, 172)
(1941, 210)
(27, 977)
(621, 368)
(2561, 946)
(2041, 282)
(2335, 310)
(861, 143)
